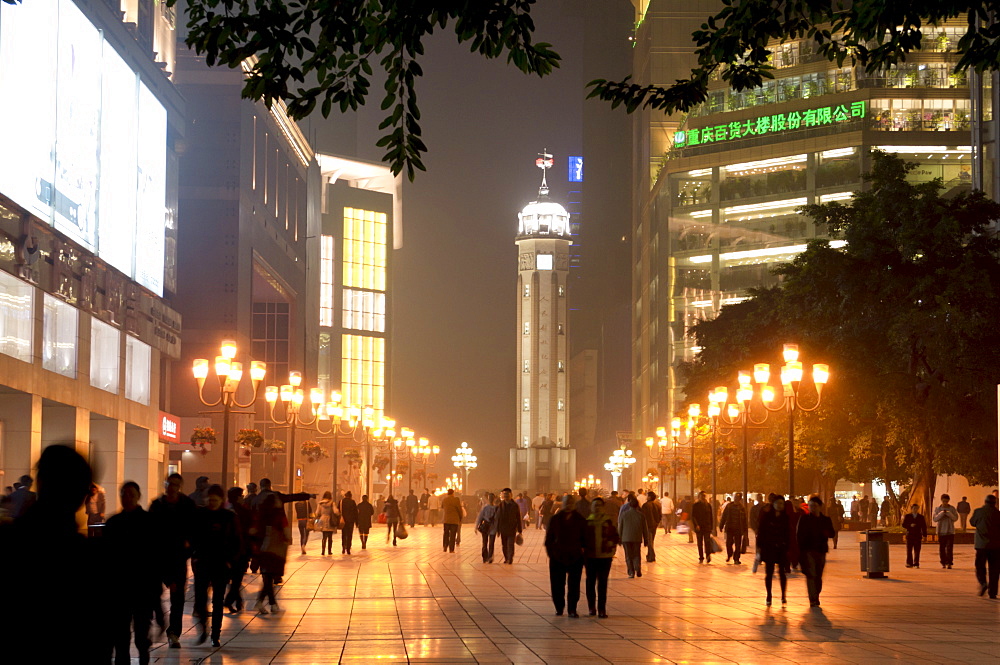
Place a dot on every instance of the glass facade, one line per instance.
(59, 337)
(363, 371)
(364, 249)
(16, 310)
(105, 356)
(364, 310)
(137, 366)
(327, 265)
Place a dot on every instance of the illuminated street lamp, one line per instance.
(425, 454)
(292, 396)
(230, 374)
(465, 460)
(588, 482)
(618, 461)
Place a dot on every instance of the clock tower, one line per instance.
(542, 459)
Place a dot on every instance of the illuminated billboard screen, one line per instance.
(575, 167)
(88, 153)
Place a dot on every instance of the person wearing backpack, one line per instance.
(486, 525)
(600, 544)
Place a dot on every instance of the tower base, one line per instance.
(542, 469)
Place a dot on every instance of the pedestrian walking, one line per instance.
(509, 524)
(885, 511)
(326, 520)
(582, 503)
(964, 509)
(600, 542)
(944, 518)
(366, 511)
(349, 515)
(703, 522)
(986, 522)
(773, 534)
(94, 506)
(612, 507)
(837, 518)
(433, 509)
(216, 544)
(412, 506)
(173, 514)
(814, 529)
(634, 532)
(423, 516)
(734, 524)
(274, 549)
(794, 514)
(545, 512)
(245, 521)
(565, 543)
(392, 518)
(22, 497)
(916, 533)
(451, 518)
(129, 537)
(200, 493)
(303, 517)
(667, 509)
(523, 506)
(486, 525)
(652, 512)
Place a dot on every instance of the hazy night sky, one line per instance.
(454, 334)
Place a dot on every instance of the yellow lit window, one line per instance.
(365, 238)
(363, 371)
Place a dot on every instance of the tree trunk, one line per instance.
(922, 491)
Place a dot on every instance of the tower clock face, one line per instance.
(543, 262)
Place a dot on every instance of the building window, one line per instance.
(105, 356)
(527, 290)
(137, 366)
(527, 328)
(16, 317)
(526, 404)
(363, 371)
(543, 262)
(561, 405)
(561, 290)
(525, 441)
(365, 233)
(270, 330)
(559, 329)
(526, 367)
(59, 337)
(364, 310)
(326, 268)
(560, 366)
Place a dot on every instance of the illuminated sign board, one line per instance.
(575, 169)
(170, 428)
(771, 124)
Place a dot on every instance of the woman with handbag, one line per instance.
(273, 550)
(486, 525)
(365, 513)
(391, 510)
(348, 518)
(326, 521)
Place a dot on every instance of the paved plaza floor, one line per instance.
(414, 603)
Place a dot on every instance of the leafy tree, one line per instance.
(904, 314)
(875, 34)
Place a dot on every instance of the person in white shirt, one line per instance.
(536, 509)
(667, 506)
(640, 495)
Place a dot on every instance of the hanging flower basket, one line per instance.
(273, 447)
(402, 467)
(202, 438)
(312, 451)
(380, 463)
(352, 455)
(249, 438)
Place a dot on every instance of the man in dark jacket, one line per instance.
(734, 523)
(564, 543)
(173, 516)
(509, 524)
(22, 498)
(244, 517)
(986, 522)
(916, 531)
(652, 512)
(703, 521)
(813, 531)
(412, 505)
(216, 545)
(964, 509)
(349, 513)
(582, 503)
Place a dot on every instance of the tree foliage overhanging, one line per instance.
(872, 33)
(906, 316)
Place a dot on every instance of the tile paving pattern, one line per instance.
(415, 603)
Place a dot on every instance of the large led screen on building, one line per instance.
(85, 147)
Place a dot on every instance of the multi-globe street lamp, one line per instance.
(618, 461)
(292, 396)
(588, 482)
(425, 454)
(465, 460)
(230, 374)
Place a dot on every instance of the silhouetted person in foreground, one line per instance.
(216, 541)
(130, 542)
(173, 515)
(273, 550)
(565, 543)
(49, 566)
(22, 498)
(244, 517)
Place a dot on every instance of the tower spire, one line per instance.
(544, 162)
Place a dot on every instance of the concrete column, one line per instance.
(143, 456)
(107, 457)
(20, 435)
(66, 425)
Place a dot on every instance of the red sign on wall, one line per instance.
(170, 428)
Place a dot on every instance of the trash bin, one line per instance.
(874, 554)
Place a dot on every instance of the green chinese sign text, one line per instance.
(769, 124)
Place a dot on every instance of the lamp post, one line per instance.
(375, 438)
(292, 397)
(618, 461)
(425, 454)
(465, 460)
(588, 482)
(334, 413)
(230, 374)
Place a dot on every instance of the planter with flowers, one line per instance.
(312, 451)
